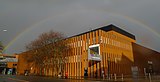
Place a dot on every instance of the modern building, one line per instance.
(23, 64)
(103, 51)
(107, 49)
(8, 64)
(147, 60)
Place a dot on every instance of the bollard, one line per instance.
(150, 80)
(107, 76)
(115, 77)
(122, 77)
(103, 76)
(111, 76)
(145, 74)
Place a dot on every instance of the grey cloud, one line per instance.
(76, 16)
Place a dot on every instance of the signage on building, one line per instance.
(134, 70)
(149, 62)
(94, 52)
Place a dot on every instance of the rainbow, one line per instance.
(130, 19)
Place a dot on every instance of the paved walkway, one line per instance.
(140, 79)
(75, 79)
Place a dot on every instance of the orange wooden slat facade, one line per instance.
(113, 45)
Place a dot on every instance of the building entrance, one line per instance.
(94, 69)
(94, 59)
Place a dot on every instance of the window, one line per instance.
(14, 64)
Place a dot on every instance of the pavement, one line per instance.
(16, 78)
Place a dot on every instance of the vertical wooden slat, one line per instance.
(82, 56)
(75, 56)
(86, 56)
(103, 46)
(101, 50)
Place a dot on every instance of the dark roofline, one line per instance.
(110, 28)
(142, 46)
(121, 31)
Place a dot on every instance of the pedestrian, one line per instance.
(59, 75)
(66, 75)
(103, 74)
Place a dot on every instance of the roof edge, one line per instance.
(109, 28)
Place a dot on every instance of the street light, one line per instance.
(4, 30)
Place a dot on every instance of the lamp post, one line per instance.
(109, 68)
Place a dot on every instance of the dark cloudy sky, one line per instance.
(26, 19)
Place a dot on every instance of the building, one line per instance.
(147, 60)
(23, 64)
(8, 64)
(115, 49)
(103, 51)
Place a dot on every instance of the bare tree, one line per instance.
(48, 50)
